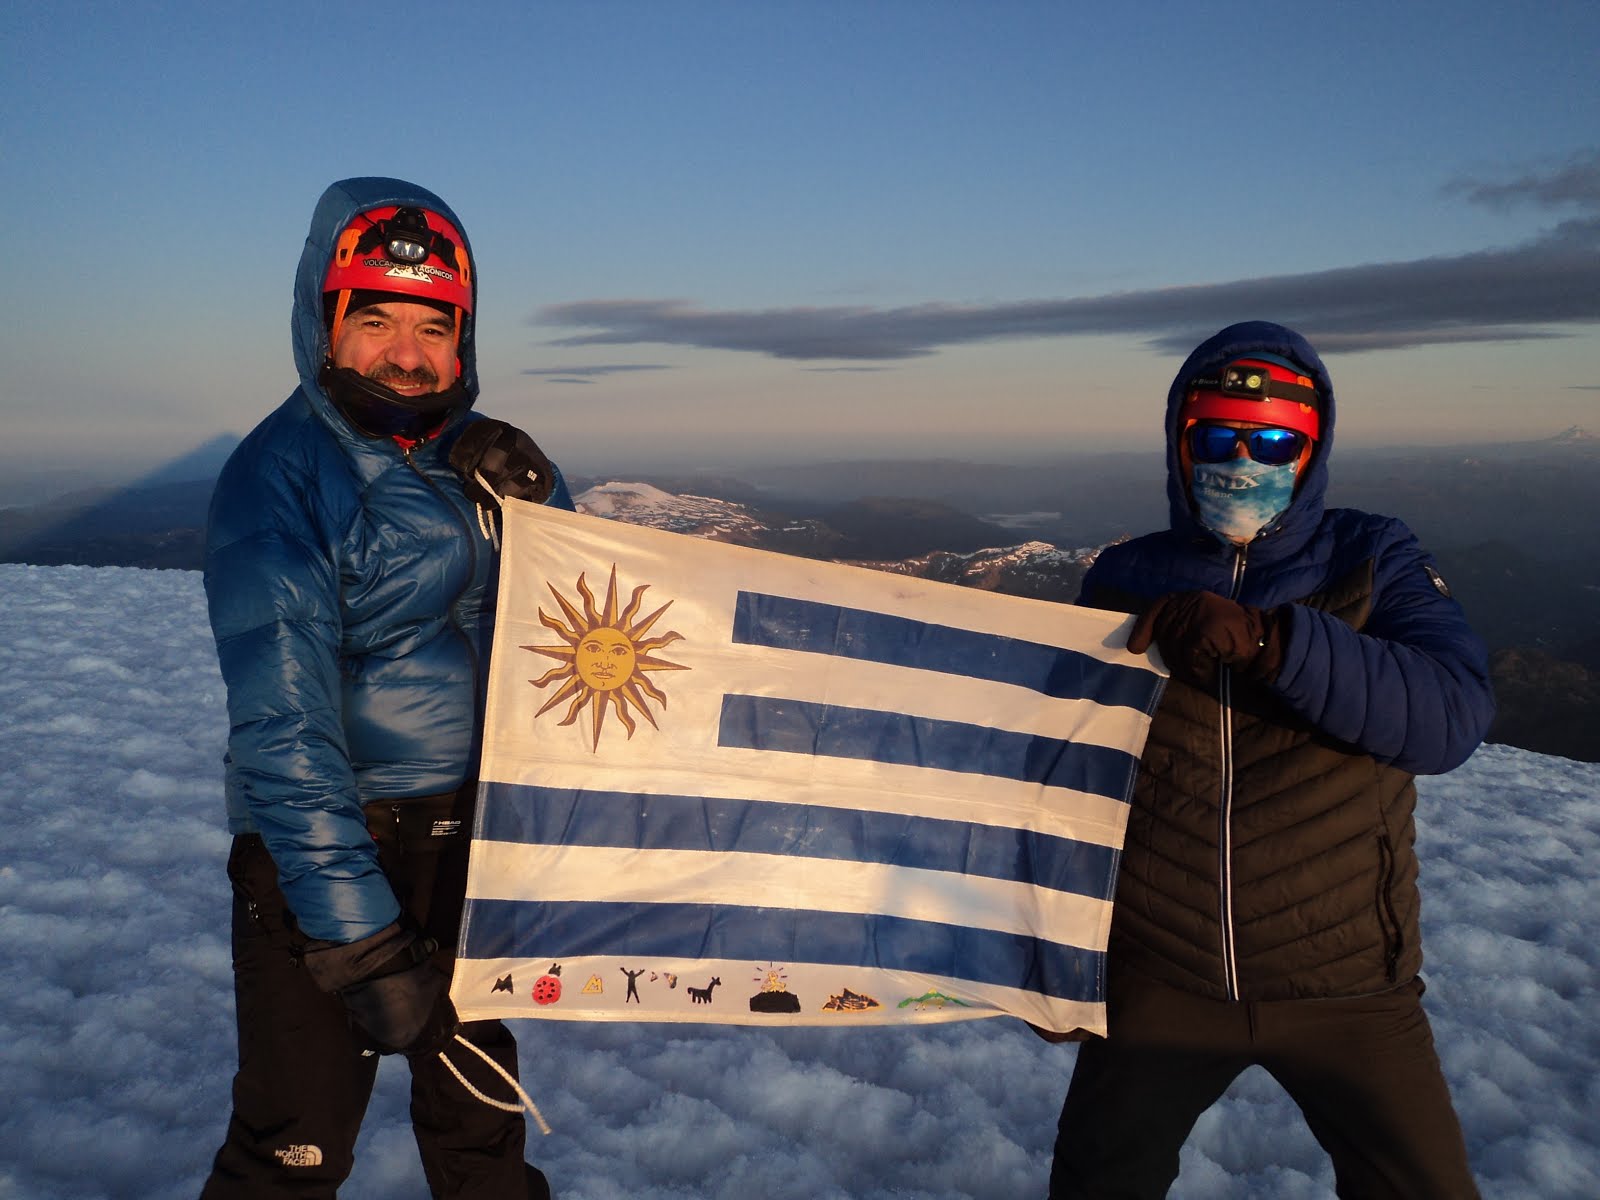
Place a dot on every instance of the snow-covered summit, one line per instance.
(645, 504)
(1035, 569)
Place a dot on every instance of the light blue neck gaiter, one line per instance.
(1239, 498)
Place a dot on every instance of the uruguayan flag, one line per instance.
(726, 785)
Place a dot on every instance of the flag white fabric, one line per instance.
(721, 784)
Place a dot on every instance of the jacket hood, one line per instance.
(336, 209)
(1241, 341)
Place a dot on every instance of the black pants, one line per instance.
(1363, 1071)
(303, 1084)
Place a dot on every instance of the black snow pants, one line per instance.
(1363, 1071)
(303, 1084)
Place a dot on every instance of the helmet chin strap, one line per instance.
(377, 410)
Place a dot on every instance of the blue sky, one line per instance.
(715, 232)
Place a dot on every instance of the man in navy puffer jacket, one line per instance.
(1267, 903)
(351, 561)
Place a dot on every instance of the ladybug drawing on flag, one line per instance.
(547, 988)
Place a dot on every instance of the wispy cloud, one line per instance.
(588, 374)
(844, 370)
(1517, 293)
(1575, 182)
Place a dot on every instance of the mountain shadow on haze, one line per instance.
(156, 521)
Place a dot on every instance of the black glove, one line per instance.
(397, 998)
(498, 461)
(1200, 631)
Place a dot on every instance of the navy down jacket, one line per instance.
(351, 592)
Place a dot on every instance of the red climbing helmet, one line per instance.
(408, 252)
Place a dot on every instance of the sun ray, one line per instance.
(650, 690)
(564, 653)
(591, 615)
(575, 617)
(660, 664)
(599, 707)
(571, 687)
(632, 696)
(638, 631)
(550, 676)
(618, 702)
(648, 644)
(608, 616)
(625, 621)
(575, 711)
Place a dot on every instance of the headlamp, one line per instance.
(1256, 383)
(407, 240)
(408, 236)
(1242, 381)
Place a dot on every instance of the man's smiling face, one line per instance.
(408, 347)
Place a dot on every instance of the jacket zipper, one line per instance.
(1230, 962)
(472, 549)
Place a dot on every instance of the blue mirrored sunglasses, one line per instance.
(1210, 442)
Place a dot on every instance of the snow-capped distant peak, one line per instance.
(1574, 434)
(644, 504)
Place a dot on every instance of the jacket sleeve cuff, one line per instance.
(334, 966)
(1268, 661)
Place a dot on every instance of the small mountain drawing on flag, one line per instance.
(774, 996)
(848, 1001)
(932, 1000)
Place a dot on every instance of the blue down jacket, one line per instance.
(1270, 847)
(351, 593)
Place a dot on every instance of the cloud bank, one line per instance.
(1516, 293)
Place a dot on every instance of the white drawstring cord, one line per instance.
(486, 525)
(527, 1102)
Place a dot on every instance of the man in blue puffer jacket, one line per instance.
(351, 562)
(1267, 904)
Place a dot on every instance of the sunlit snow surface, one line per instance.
(116, 1038)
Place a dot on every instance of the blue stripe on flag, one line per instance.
(834, 731)
(550, 932)
(788, 624)
(571, 817)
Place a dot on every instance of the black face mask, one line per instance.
(377, 410)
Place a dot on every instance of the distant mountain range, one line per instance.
(1515, 532)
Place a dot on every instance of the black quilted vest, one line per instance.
(1265, 861)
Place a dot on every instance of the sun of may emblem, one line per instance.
(605, 658)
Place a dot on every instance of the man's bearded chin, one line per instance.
(371, 404)
(388, 373)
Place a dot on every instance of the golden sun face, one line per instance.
(605, 658)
